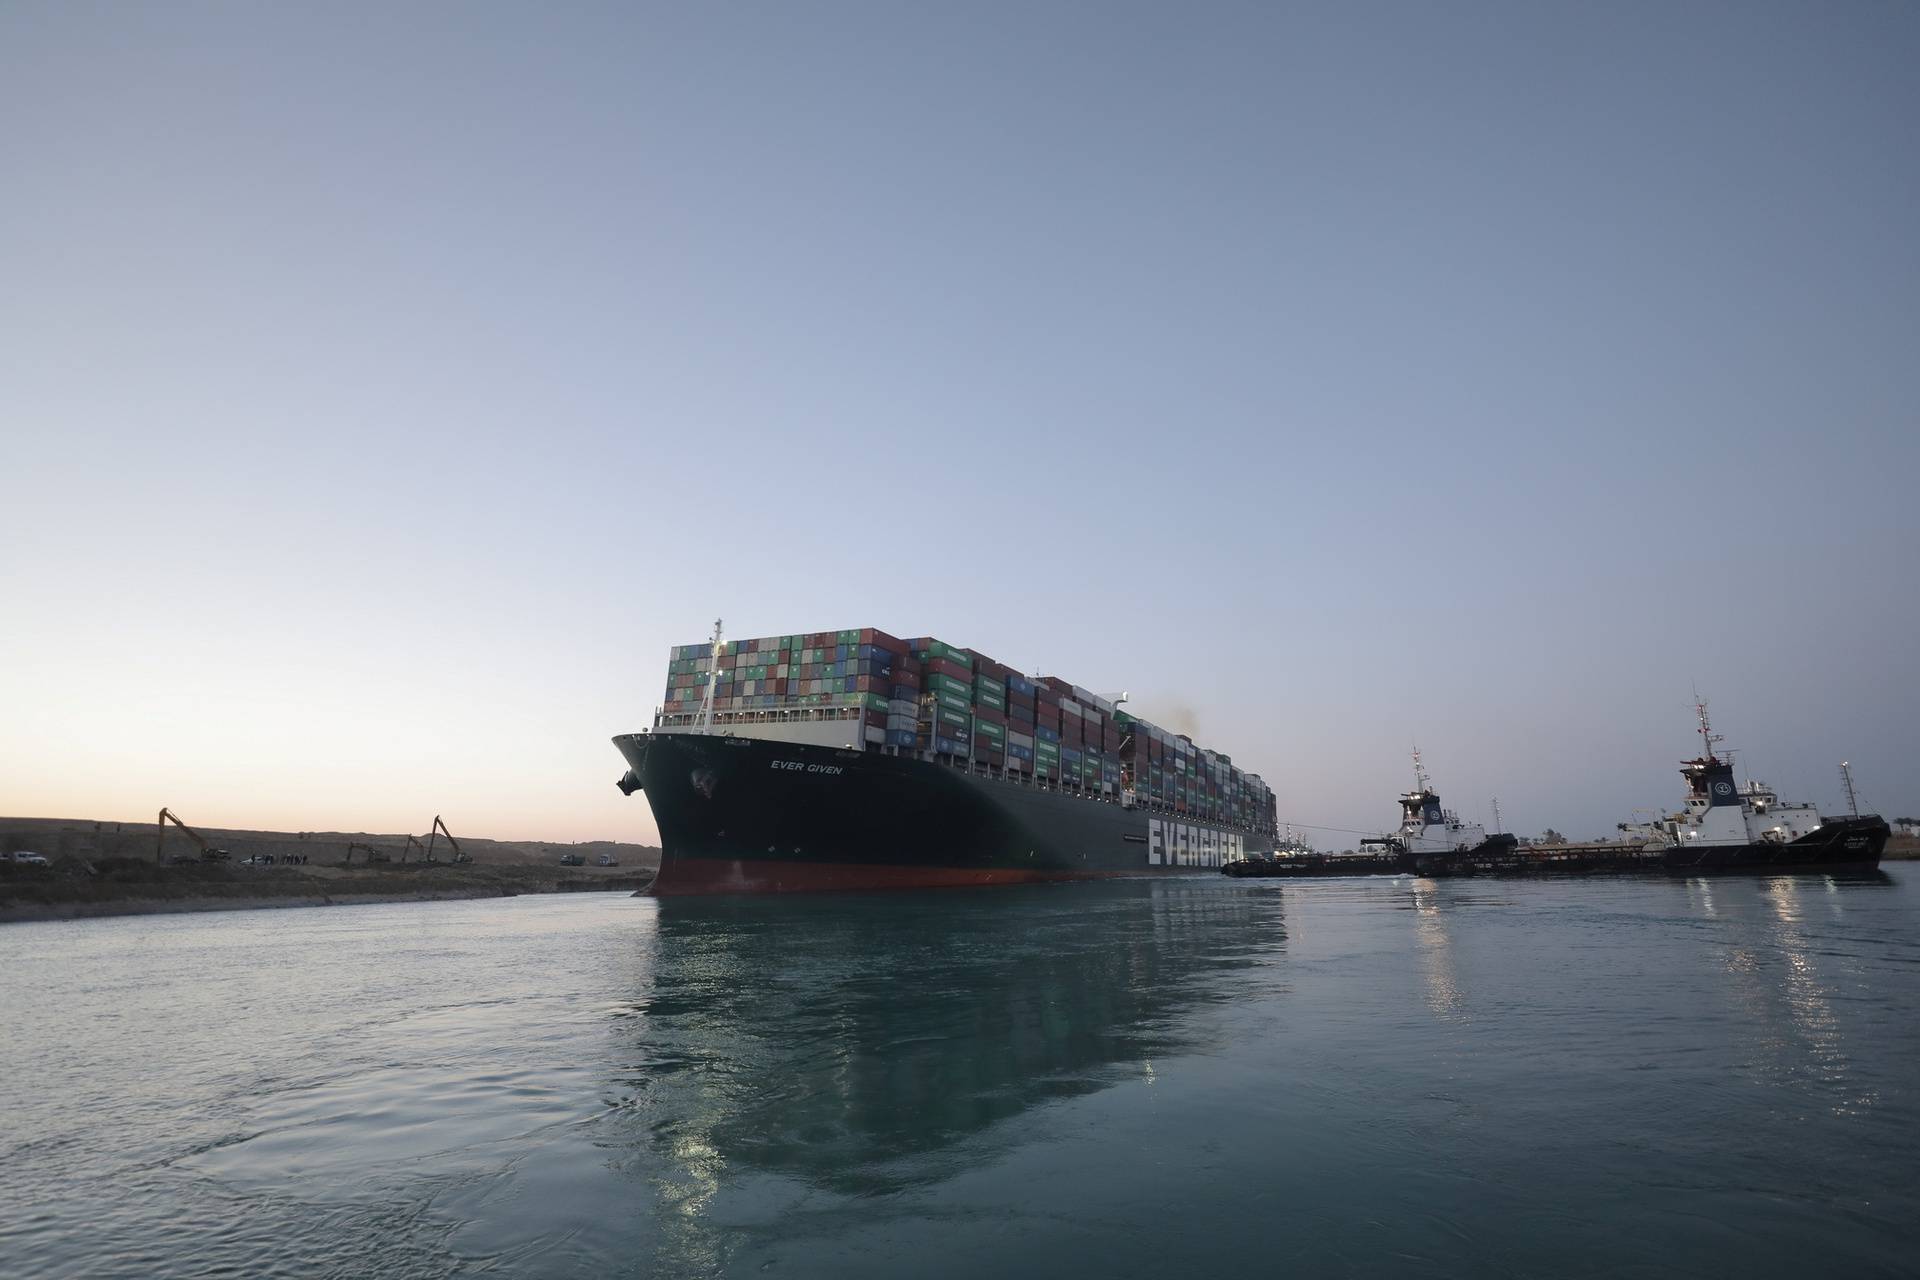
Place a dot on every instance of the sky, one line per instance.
(384, 389)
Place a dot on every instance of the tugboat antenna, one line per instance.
(713, 681)
(1846, 777)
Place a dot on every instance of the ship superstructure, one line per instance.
(1428, 827)
(1720, 812)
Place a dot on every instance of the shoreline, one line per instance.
(55, 912)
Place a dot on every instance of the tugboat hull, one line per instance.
(1840, 844)
(1395, 861)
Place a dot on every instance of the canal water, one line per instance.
(1384, 1077)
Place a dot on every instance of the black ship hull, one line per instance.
(1840, 844)
(1393, 861)
(748, 815)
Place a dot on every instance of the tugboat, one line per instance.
(1724, 827)
(1426, 829)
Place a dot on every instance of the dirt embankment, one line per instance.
(112, 869)
(91, 840)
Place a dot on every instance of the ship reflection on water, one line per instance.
(851, 1041)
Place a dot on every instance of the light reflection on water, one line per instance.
(1367, 1077)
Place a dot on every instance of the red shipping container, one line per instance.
(989, 715)
(1061, 689)
(946, 667)
(876, 719)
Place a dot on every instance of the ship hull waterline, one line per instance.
(748, 815)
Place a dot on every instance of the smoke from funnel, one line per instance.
(1174, 719)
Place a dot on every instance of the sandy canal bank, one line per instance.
(115, 889)
(109, 869)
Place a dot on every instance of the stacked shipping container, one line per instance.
(924, 695)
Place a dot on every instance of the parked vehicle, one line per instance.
(572, 860)
(27, 858)
(607, 860)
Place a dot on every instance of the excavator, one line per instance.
(439, 829)
(207, 852)
(374, 852)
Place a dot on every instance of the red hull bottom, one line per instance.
(693, 876)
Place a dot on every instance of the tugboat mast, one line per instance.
(1707, 736)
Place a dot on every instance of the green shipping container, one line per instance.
(991, 730)
(948, 698)
(989, 684)
(986, 699)
(961, 687)
(936, 649)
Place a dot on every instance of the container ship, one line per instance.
(857, 760)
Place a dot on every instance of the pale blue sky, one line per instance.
(383, 389)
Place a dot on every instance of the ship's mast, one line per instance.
(713, 681)
(1497, 828)
(1846, 777)
(1419, 772)
(1707, 735)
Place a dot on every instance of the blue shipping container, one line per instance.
(1047, 735)
(951, 747)
(899, 737)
